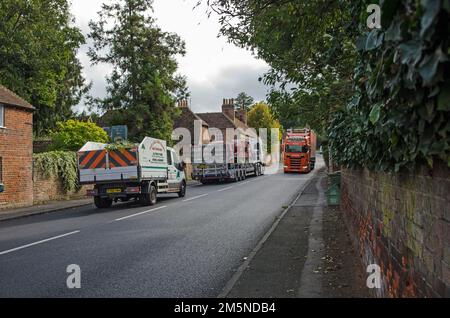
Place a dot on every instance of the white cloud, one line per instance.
(215, 69)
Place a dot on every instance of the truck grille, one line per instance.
(296, 163)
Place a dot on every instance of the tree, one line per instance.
(73, 134)
(38, 58)
(143, 86)
(261, 116)
(313, 57)
(244, 101)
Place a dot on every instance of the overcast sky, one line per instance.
(214, 68)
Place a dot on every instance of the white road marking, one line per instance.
(225, 189)
(140, 213)
(197, 197)
(244, 183)
(39, 242)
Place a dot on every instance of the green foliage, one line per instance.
(261, 116)
(400, 113)
(143, 86)
(309, 46)
(243, 100)
(124, 144)
(38, 58)
(73, 134)
(61, 165)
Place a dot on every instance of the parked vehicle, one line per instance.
(140, 172)
(236, 161)
(299, 150)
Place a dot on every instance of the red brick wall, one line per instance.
(402, 223)
(16, 147)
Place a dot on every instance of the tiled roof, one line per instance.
(217, 120)
(222, 121)
(187, 109)
(9, 98)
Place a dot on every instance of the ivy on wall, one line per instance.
(399, 115)
(59, 164)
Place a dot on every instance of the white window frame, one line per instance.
(2, 116)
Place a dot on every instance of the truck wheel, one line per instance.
(182, 192)
(102, 203)
(151, 197)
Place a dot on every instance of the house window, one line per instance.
(2, 115)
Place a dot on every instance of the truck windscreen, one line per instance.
(296, 149)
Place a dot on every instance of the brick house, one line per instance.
(187, 120)
(16, 150)
(229, 118)
(226, 119)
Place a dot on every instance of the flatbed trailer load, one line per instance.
(139, 172)
(235, 165)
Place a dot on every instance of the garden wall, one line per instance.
(51, 189)
(402, 223)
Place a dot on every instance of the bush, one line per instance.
(73, 134)
(61, 165)
(399, 115)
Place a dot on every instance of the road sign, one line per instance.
(117, 133)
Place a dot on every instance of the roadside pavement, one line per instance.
(53, 206)
(309, 254)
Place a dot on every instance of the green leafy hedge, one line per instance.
(400, 113)
(61, 165)
(73, 134)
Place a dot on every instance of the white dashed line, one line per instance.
(38, 242)
(225, 189)
(197, 197)
(140, 213)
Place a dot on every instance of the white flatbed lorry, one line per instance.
(140, 172)
(235, 165)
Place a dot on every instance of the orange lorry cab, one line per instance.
(299, 150)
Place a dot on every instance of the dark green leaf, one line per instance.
(374, 40)
(429, 66)
(411, 52)
(432, 8)
(394, 33)
(375, 113)
(444, 98)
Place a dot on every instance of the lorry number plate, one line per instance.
(113, 190)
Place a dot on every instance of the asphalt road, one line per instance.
(186, 247)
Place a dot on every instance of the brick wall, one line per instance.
(41, 146)
(51, 189)
(16, 148)
(402, 223)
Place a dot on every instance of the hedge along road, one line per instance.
(186, 247)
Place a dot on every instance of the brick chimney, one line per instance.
(242, 115)
(183, 103)
(228, 108)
